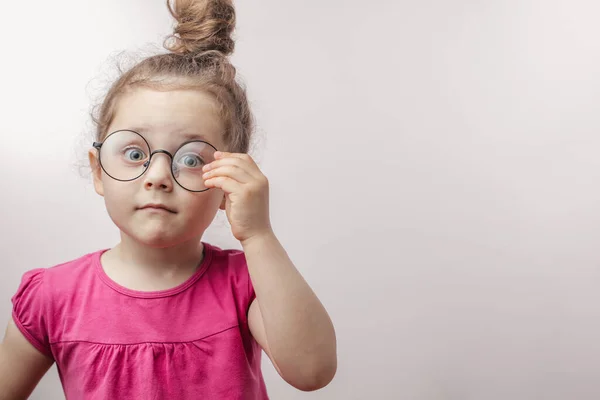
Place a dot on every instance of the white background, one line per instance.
(434, 173)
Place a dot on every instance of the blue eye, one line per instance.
(190, 161)
(134, 154)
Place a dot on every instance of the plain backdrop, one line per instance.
(434, 169)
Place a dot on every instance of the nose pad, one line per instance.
(169, 155)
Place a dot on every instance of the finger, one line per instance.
(250, 167)
(228, 185)
(231, 171)
(242, 156)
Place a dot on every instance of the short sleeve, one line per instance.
(30, 307)
(242, 286)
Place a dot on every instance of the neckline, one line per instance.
(204, 264)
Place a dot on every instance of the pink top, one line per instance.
(110, 342)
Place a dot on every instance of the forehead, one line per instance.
(167, 118)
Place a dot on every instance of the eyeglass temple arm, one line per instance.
(97, 145)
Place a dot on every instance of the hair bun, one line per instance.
(202, 25)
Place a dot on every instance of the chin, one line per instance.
(158, 236)
(156, 242)
(158, 233)
(161, 237)
(155, 235)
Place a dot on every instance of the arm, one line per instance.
(21, 365)
(287, 319)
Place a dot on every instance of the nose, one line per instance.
(158, 175)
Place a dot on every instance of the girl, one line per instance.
(164, 315)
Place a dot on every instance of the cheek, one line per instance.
(203, 206)
(118, 196)
(208, 200)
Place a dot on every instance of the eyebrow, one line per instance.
(193, 136)
(185, 135)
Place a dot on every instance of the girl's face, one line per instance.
(166, 119)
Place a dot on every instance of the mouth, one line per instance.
(157, 208)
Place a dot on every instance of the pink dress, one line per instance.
(110, 342)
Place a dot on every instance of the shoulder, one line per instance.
(73, 272)
(226, 259)
(59, 278)
(228, 254)
(34, 302)
(229, 267)
(228, 273)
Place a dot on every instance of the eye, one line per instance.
(134, 154)
(190, 161)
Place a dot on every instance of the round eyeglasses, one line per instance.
(125, 156)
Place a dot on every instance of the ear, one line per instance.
(96, 171)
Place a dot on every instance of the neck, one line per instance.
(159, 261)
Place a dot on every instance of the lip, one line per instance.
(156, 207)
